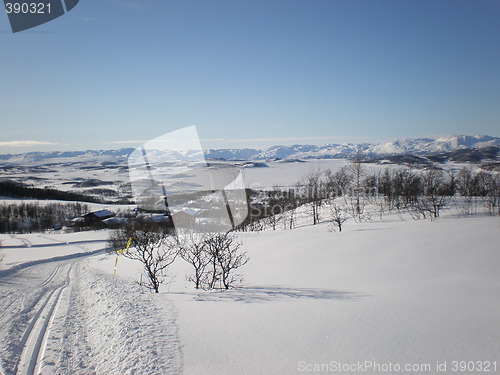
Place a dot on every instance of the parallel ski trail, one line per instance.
(50, 277)
(35, 336)
(65, 317)
(10, 301)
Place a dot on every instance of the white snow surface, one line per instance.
(393, 291)
(59, 316)
(401, 292)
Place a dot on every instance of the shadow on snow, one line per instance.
(276, 293)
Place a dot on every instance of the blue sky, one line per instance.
(250, 73)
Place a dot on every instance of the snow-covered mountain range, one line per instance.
(411, 146)
(435, 145)
(415, 146)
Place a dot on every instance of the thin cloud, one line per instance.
(124, 142)
(160, 141)
(288, 139)
(267, 139)
(26, 143)
(133, 4)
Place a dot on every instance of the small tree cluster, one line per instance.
(435, 193)
(476, 187)
(214, 258)
(270, 209)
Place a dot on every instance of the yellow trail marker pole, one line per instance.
(116, 263)
(129, 242)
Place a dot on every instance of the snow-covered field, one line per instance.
(87, 177)
(380, 293)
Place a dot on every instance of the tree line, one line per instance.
(12, 189)
(34, 217)
(347, 192)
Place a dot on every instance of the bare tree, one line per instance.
(283, 204)
(434, 193)
(493, 194)
(338, 183)
(386, 188)
(255, 226)
(225, 259)
(275, 207)
(312, 185)
(338, 216)
(289, 218)
(357, 171)
(194, 250)
(153, 246)
(467, 189)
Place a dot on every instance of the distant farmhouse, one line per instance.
(185, 218)
(93, 219)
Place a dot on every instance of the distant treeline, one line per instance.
(28, 217)
(13, 189)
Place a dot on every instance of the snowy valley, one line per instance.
(408, 284)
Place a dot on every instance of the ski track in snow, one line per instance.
(63, 317)
(24, 242)
(34, 339)
(28, 300)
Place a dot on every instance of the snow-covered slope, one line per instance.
(232, 153)
(416, 293)
(67, 156)
(380, 292)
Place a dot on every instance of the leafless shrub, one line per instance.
(225, 259)
(214, 257)
(152, 245)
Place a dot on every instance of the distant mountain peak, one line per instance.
(414, 146)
